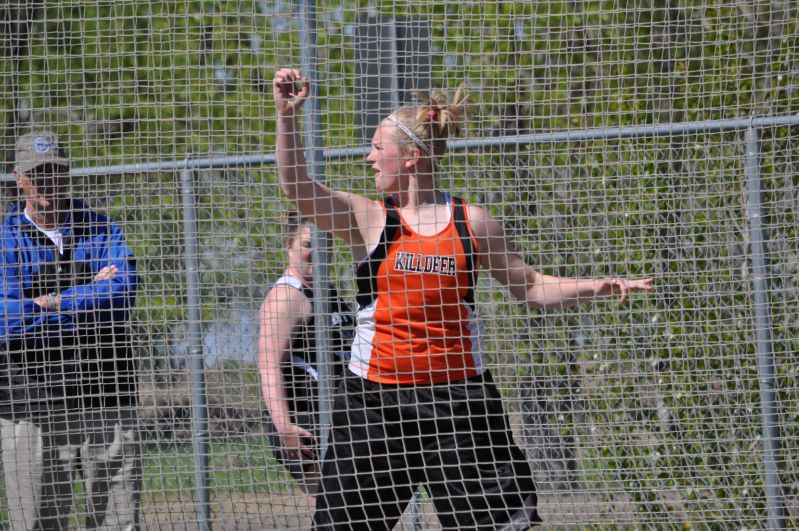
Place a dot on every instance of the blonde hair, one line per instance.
(433, 120)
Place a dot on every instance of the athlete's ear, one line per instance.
(414, 159)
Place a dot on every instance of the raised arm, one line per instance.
(346, 215)
(527, 285)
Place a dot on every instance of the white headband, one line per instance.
(410, 134)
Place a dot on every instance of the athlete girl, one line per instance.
(418, 406)
(287, 356)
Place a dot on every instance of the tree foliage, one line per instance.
(657, 403)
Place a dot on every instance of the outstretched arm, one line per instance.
(346, 215)
(533, 288)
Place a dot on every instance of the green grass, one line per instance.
(245, 464)
(242, 465)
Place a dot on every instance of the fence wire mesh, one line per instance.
(644, 414)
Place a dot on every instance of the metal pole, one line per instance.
(765, 354)
(320, 240)
(264, 159)
(199, 405)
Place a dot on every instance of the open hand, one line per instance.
(289, 98)
(624, 286)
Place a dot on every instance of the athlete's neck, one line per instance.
(292, 272)
(416, 197)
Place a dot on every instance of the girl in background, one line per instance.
(287, 357)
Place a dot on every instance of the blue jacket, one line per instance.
(82, 350)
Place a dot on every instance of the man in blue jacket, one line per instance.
(67, 371)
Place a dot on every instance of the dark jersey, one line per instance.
(300, 370)
(339, 321)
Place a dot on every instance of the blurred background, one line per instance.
(616, 137)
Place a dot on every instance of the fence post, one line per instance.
(199, 403)
(765, 353)
(320, 239)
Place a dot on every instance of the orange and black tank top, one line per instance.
(416, 321)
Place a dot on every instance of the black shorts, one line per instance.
(453, 438)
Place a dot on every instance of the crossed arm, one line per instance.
(112, 286)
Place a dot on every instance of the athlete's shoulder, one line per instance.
(285, 302)
(475, 212)
(477, 215)
(483, 225)
(288, 280)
